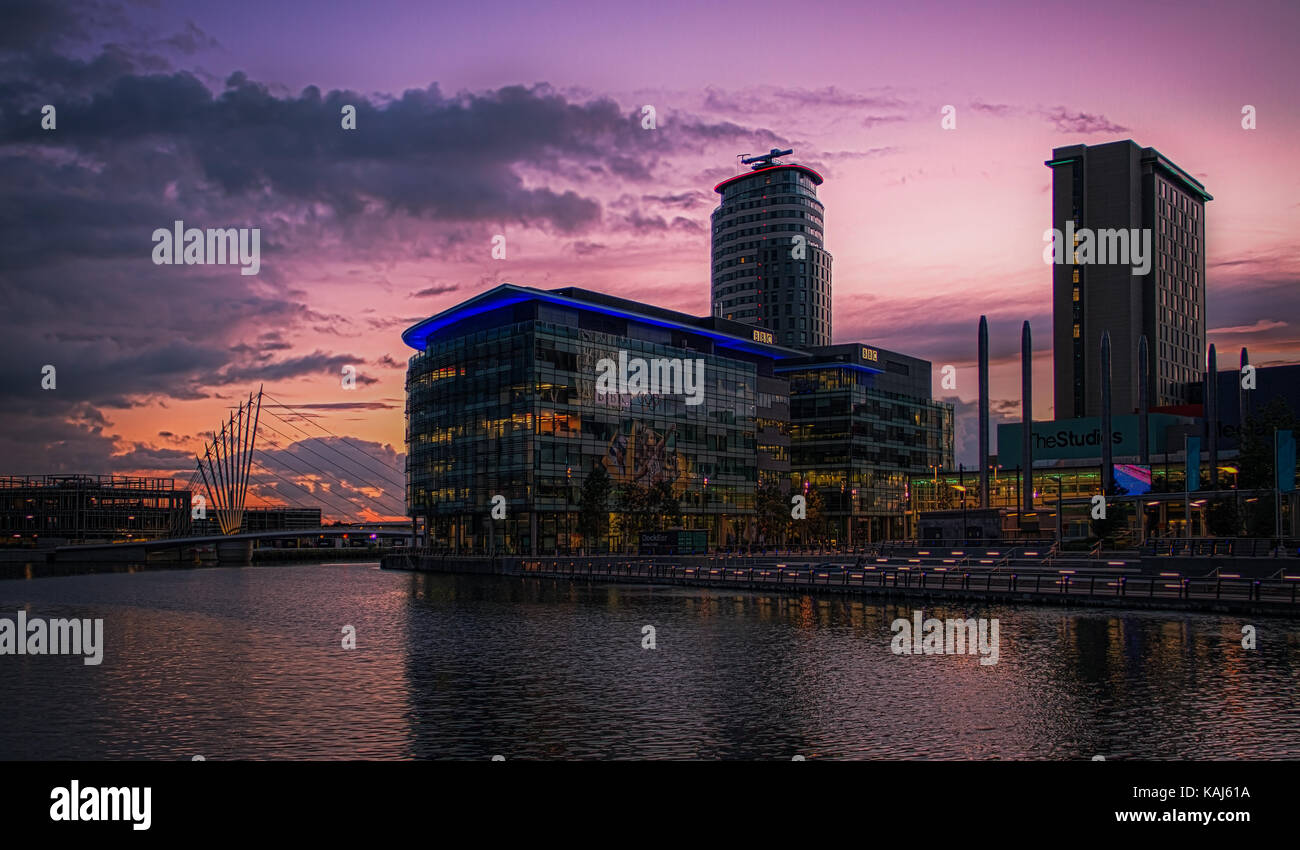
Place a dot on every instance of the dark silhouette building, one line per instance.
(1117, 192)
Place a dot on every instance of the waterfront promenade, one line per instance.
(1263, 586)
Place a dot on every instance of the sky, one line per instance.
(525, 121)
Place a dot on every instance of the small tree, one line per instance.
(813, 527)
(593, 507)
(1223, 518)
(1116, 519)
(1255, 459)
(1261, 516)
(632, 509)
(663, 505)
(773, 507)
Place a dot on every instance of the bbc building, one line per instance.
(504, 400)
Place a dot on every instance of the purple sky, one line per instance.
(523, 120)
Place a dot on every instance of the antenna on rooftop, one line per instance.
(766, 160)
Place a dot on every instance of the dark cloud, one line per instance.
(1063, 118)
(845, 156)
(387, 404)
(37, 25)
(191, 40)
(1082, 122)
(870, 121)
(140, 145)
(685, 200)
(999, 109)
(642, 224)
(436, 289)
(584, 249)
(780, 100)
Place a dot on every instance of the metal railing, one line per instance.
(1065, 583)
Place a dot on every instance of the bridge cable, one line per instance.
(383, 463)
(321, 441)
(374, 503)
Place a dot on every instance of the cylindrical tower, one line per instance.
(770, 264)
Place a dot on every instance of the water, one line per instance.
(248, 664)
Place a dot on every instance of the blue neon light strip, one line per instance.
(840, 364)
(417, 335)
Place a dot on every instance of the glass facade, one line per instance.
(514, 410)
(770, 264)
(859, 445)
(505, 399)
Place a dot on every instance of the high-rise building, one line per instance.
(770, 264)
(1126, 196)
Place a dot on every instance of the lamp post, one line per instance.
(708, 520)
(1236, 494)
(1060, 513)
(964, 530)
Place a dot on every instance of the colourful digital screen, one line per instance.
(1134, 479)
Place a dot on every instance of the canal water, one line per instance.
(248, 663)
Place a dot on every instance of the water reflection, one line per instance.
(248, 663)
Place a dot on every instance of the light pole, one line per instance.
(1060, 513)
(1236, 494)
(961, 488)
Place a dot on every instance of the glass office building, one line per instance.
(505, 399)
(862, 424)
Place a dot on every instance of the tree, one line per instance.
(1260, 516)
(632, 510)
(1223, 517)
(773, 507)
(593, 507)
(1255, 462)
(1117, 517)
(1255, 457)
(813, 526)
(663, 505)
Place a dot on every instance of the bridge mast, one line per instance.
(229, 459)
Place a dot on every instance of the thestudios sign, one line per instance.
(1082, 438)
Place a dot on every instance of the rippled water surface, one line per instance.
(248, 664)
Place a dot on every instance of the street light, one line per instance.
(1060, 513)
(964, 529)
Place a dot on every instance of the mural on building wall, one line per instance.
(640, 455)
